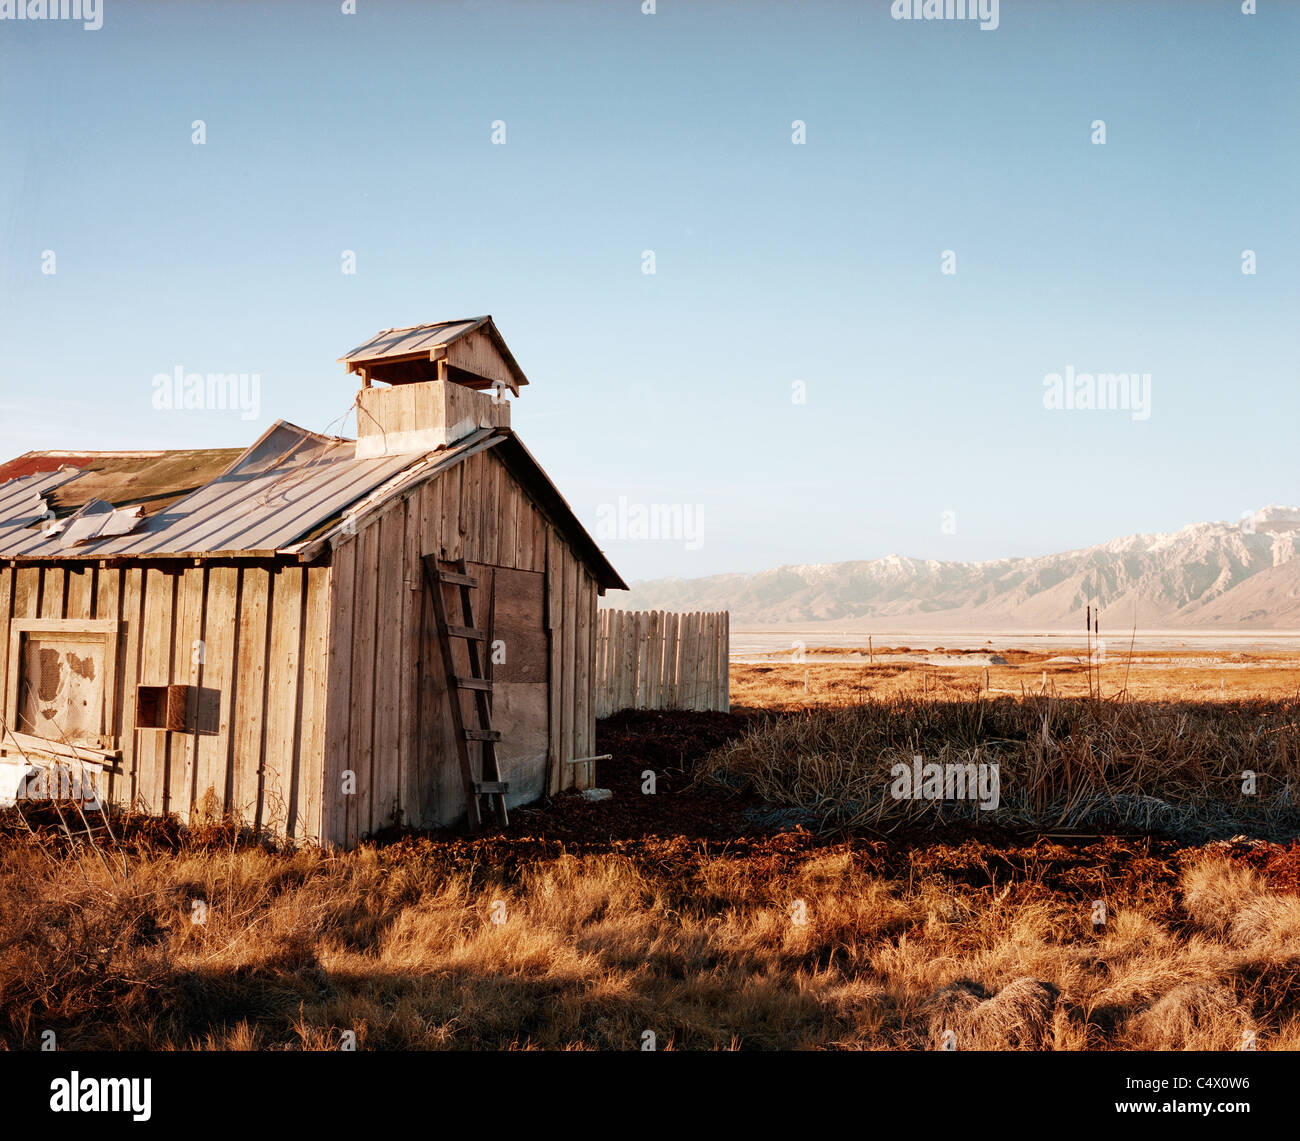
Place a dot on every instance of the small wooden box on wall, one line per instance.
(163, 707)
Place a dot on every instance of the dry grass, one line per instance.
(1062, 763)
(784, 942)
(833, 677)
(703, 948)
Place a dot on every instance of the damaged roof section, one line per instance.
(96, 520)
(181, 504)
(152, 480)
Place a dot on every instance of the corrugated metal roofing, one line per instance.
(288, 495)
(285, 486)
(416, 339)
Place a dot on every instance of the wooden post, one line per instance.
(726, 661)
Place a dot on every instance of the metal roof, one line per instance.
(292, 494)
(415, 339)
(407, 355)
(283, 487)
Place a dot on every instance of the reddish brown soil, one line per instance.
(666, 743)
(1277, 863)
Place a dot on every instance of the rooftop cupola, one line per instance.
(429, 385)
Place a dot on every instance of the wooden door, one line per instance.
(517, 651)
(509, 605)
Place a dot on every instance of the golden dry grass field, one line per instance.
(765, 897)
(832, 676)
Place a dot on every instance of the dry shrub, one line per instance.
(1196, 1016)
(1018, 1017)
(1095, 764)
(1233, 902)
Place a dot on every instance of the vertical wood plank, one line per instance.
(26, 604)
(583, 717)
(409, 669)
(471, 519)
(685, 659)
(726, 661)
(627, 667)
(450, 532)
(715, 666)
(128, 672)
(6, 613)
(216, 681)
(490, 521)
(557, 779)
(540, 531)
(598, 665)
(361, 737)
(338, 698)
(188, 634)
(618, 637)
(508, 537)
(277, 791)
(431, 517)
(391, 653)
(250, 694)
(52, 592)
(108, 594)
(311, 736)
(702, 665)
(642, 657)
(27, 592)
(79, 592)
(568, 663)
(655, 661)
(156, 639)
(672, 628)
(706, 637)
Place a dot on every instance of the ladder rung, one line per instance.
(482, 735)
(456, 579)
(491, 787)
(478, 683)
(466, 632)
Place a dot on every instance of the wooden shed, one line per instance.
(323, 637)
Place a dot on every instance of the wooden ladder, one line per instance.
(478, 682)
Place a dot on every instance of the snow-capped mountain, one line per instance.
(1227, 575)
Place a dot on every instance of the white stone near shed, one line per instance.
(597, 794)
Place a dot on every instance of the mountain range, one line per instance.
(1243, 575)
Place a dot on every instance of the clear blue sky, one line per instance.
(775, 262)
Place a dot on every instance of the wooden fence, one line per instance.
(655, 659)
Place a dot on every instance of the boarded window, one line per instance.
(60, 683)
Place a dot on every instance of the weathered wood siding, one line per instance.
(387, 719)
(250, 639)
(657, 659)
